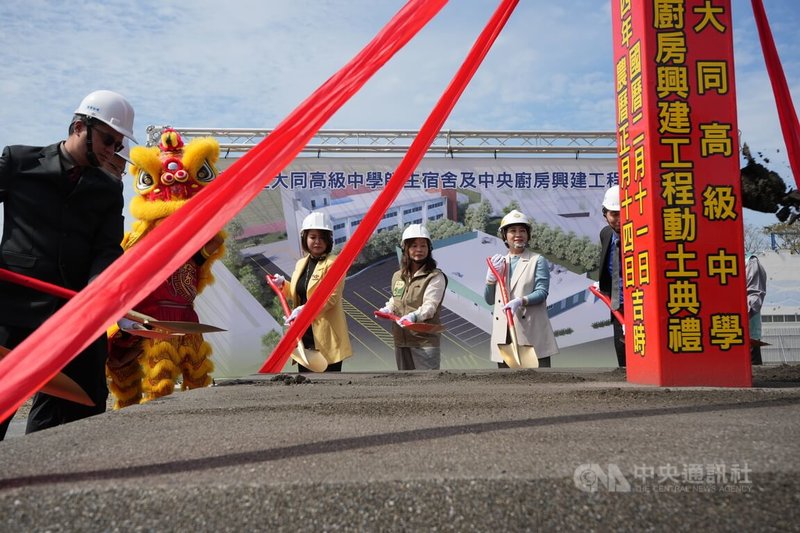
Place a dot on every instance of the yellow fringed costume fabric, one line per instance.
(166, 178)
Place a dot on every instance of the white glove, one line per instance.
(498, 262)
(385, 311)
(293, 316)
(596, 284)
(406, 320)
(514, 304)
(278, 280)
(127, 323)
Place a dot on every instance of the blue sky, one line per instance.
(248, 63)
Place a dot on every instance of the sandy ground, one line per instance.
(421, 451)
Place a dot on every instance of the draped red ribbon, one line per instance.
(415, 153)
(140, 270)
(783, 98)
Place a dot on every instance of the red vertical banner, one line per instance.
(680, 197)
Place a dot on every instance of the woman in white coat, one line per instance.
(527, 277)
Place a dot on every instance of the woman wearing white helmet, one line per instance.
(417, 294)
(328, 332)
(527, 277)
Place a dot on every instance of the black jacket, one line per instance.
(605, 247)
(52, 230)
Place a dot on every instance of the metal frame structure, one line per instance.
(447, 143)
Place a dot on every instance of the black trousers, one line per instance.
(619, 339)
(87, 369)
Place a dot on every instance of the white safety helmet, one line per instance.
(515, 217)
(611, 199)
(416, 231)
(317, 220)
(109, 108)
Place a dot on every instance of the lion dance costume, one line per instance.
(165, 178)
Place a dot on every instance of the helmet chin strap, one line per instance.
(90, 155)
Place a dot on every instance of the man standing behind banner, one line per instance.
(63, 224)
(756, 292)
(610, 267)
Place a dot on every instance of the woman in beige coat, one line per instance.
(328, 332)
(528, 282)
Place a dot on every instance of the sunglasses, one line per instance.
(108, 140)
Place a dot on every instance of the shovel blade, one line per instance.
(509, 355)
(311, 359)
(174, 326)
(61, 386)
(518, 356)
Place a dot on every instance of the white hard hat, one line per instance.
(515, 217)
(110, 108)
(317, 220)
(611, 199)
(415, 231)
(125, 153)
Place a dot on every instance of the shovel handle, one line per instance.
(606, 300)
(279, 293)
(503, 291)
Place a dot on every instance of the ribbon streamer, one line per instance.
(783, 98)
(140, 270)
(415, 153)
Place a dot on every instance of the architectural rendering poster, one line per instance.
(460, 200)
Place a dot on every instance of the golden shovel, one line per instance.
(174, 327)
(311, 359)
(514, 355)
(61, 386)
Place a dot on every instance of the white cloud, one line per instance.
(248, 63)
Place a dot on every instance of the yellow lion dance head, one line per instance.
(168, 175)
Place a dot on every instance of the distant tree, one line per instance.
(477, 217)
(270, 341)
(755, 238)
(787, 234)
(444, 228)
(255, 285)
(511, 206)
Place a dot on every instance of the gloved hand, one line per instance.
(278, 280)
(127, 323)
(385, 311)
(596, 284)
(498, 262)
(514, 304)
(293, 316)
(406, 320)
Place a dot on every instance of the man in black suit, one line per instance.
(62, 224)
(610, 266)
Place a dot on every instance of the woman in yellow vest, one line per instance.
(328, 332)
(417, 294)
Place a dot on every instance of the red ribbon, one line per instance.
(783, 98)
(415, 153)
(142, 268)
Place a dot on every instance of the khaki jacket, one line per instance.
(331, 336)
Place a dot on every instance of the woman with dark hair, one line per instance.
(417, 294)
(328, 332)
(527, 277)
